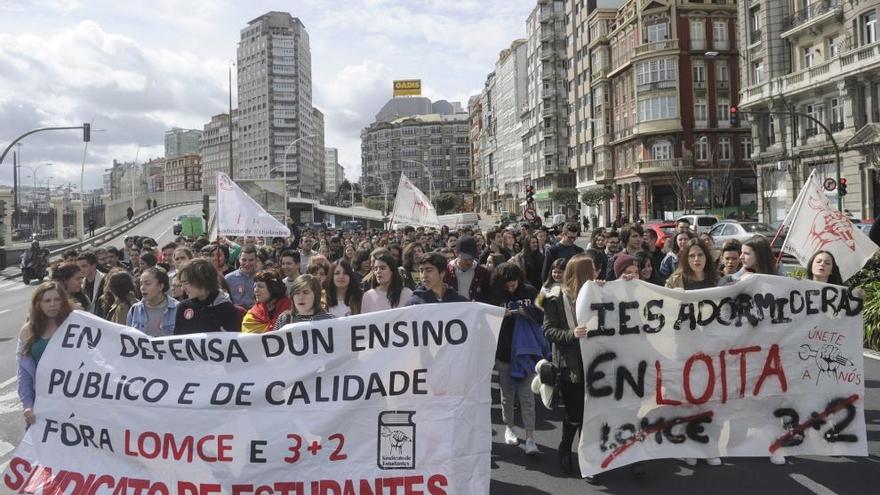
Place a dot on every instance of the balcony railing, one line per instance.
(811, 131)
(836, 126)
(658, 166)
(755, 35)
(814, 11)
(656, 46)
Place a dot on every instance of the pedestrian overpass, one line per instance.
(304, 210)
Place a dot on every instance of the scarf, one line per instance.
(260, 314)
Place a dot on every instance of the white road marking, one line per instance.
(5, 448)
(4, 311)
(15, 287)
(9, 402)
(7, 382)
(815, 487)
(871, 355)
(8, 284)
(3, 466)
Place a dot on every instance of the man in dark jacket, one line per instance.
(208, 309)
(433, 289)
(565, 248)
(465, 275)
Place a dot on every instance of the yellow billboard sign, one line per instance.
(408, 87)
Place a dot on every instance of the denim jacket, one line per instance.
(137, 316)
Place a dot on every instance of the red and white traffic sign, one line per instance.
(530, 214)
(829, 184)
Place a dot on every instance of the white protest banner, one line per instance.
(239, 214)
(411, 207)
(814, 224)
(771, 365)
(396, 401)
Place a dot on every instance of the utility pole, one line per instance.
(231, 174)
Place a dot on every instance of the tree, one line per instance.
(596, 196)
(447, 203)
(566, 197)
(375, 203)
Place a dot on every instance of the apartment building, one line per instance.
(658, 121)
(214, 149)
(808, 62)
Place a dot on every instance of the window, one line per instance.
(720, 40)
(661, 150)
(699, 69)
(663, 107)
(833, 47)
(701, 113)
(746, 147)
(757, 72)
(723, 113)
(755, 24)
(869, 29)
(657, 32)
(807, 57)
(655, 70)
(722, 74)
(724, 149)
(771, 135)
(702, 148)
(811, 127)
(698, 35)
(836, 114)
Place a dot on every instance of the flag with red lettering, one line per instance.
(814, 224)
(769, 366)
(411, 207)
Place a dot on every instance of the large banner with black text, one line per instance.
(771, 365)
(390, 402)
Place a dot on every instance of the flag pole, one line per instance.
(793, 213)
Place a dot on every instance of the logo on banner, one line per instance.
(830, 226)
(397, 440)
(225, 183)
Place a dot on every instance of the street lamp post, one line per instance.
(284, 158)
(35, 215)
(133, 171)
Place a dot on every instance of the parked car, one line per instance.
(460, 220)
(176, 226)
(663, 230)
(699, 223)
(743, 231)
(865, 227)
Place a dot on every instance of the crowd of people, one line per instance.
(193, 285)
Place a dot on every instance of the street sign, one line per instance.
(530, 214)
(829, 184)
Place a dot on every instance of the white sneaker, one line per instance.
(531, 447)
(690, 461)
(777, 459)
(510, 436)
(713, 461)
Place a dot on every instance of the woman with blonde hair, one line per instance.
(49, 307)
(559, 329)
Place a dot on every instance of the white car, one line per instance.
(741, 231)
(699, 223)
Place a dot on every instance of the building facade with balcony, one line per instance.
(410, 144)
(503, 100)
(544, 115)
(819, 59)
(661, 90)
(184, 173)
(214, 149)
(587, 31)
(475, 121)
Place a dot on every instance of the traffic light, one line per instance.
(734, 117)
(530, 193)
(206, 209)
(87, 132)
(841, 186)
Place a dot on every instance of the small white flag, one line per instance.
(816, 225)
(411, 207)
(238, 214)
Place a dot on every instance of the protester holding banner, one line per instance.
(823, 268)
(270, 294)
(49, 307)
(343, 290)
(521, 344)
(647, 272)
(306, 296)
(559, 325)
(730, 254)
(207, 309)
(696, 268)
(389, 291)
(155, 313)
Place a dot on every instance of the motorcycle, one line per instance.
(34, 266)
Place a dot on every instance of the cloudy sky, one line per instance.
(137, 68)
